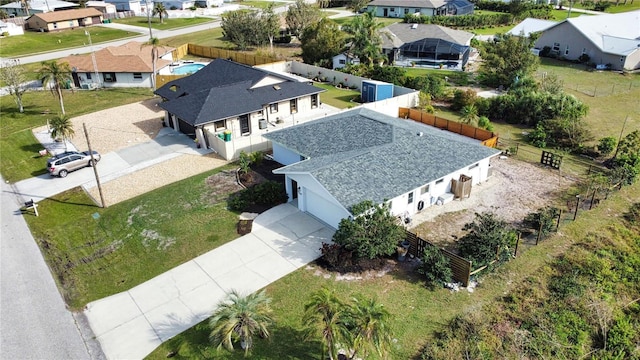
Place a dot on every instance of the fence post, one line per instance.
(517, 147)
(539, 232)
(515, 252)
(558, 222)
(575, 214)
(592, 198)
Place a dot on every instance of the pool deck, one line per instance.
(169, 70)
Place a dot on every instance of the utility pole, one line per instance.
(96, 80)
(93, 163)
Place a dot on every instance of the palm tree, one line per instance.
(154, 43)
(55, 75)
(365, 40)
(325, 314)
(160, 10)
(240, 318)
(62, 128)
(368, 321)
(469, 114)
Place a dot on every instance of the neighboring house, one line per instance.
(426, 45)
(103, 7)
(10, 29)
(531, 25)
(228, 107)
(336, 162)
(128, 5)
(342, 60)
(37, 7)
(608, 39)
(65, 19)
(177, 4)
(129, 65)
(400, 8)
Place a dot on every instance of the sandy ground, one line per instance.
(515, 189)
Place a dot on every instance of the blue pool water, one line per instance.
(187, 69)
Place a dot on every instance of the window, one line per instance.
(219, 125)
(71, 23)
(314, 101)
(439, 181)
(137, 76)
(556, 46)
(342, 61)
(88, 76)
(392, 9)
(474, 166)
(244, 125)
(55, 25)
(109, 77)
(584, 50)
(293, 105)
(566, 50)
(273, 108)
(410, 201)
(406, 11)
(622, 59)
(424, 190)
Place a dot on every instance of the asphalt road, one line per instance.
(35, 323)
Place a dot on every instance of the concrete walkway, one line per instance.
(131, 324)
(167, 145)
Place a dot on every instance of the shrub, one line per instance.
(245, 162)
(463, 98)
(545, 51)
(485, 123)
(546, 217)
(622, 335)
(268, 193)
(633, 215)
(435, 266)
(488, 239)
(584, 58)
(606, 145)
(538, 137)
(366, 240)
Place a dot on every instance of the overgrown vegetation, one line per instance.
(268, 193)
(435, 267)
(489, 238)
(543, 221)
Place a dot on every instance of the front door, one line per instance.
(385, 12)
(294, 189)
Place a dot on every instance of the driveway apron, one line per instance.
(132, 324)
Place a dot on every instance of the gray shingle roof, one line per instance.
(364, 155)
(226, 89)
(402, 33)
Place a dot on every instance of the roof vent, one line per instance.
(276, 87)
(420, 133)
(414, 26)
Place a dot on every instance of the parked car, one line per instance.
(62, 164)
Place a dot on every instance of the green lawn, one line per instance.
(166, 24)
(260, 4)
(19, 148)
(340, 98)
(36, 42)
(211, 37)
(97, 252)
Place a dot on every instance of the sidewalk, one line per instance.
(131, 324)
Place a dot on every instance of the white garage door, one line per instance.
(322, 209)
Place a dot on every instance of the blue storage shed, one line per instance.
(373, 90)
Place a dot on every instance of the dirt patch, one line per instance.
(515, 189)
(221, 185)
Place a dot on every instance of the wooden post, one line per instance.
(539, 231)
(592, 198)
(575, 214)
(515, 252)
(93, 163)
(558, 222)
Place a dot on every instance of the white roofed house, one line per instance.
(16, 8)
(609, 40)
(400, 8)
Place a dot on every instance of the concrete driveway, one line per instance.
(167, 145)
(131, 324)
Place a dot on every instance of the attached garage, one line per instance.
(321, 208)
(187, 128)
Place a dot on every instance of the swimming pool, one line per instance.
(186, 69)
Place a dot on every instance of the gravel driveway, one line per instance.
(124, 126)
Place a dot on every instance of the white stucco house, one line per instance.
(128, 5)
(10, 29)
(228, 107)
(338, 161)
(128, 65)
(343, 59)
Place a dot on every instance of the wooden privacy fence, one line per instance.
(240, 57)
(460, 266)
(488, 138)
(163, 79)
